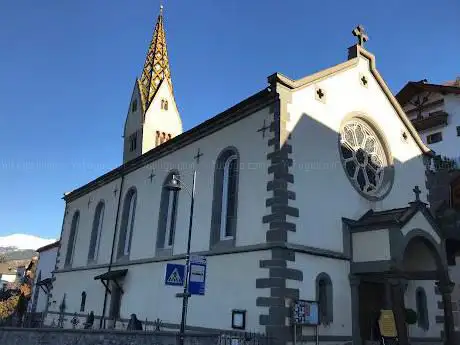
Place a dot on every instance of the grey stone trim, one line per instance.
(286, 273)
(422, 308)
(285, 293)
(328, 316)
(282, 252)
(272, 263)
(276, 316)
(437, 292)
(277, 236)
(356, 329)
(270, 302)
(439, 319)
(92, 252)
(216, 213)
(130, 193)
(163, 216)
(72, 238)
(371, 266)
(440, 305)
(260, 100)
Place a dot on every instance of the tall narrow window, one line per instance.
(72, 238)
(127, 224)
(422, 308)
(167, 216)
(83, 301)
(225, 198)
(96, 232)
(324, 296)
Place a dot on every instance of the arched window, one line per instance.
(127, 223)
(422, 309)
(96, 232)
(72, 238)
(225, 199)
(324, 296)
(83, 301)
(168, 215)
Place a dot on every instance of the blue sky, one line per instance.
(67, 70)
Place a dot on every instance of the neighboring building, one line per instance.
(8, 273)
(435, 112)
(304, 190)
(42, 283)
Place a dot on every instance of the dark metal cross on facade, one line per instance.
(364, 80)
(89, 202)
(115, 191)
(198, 155)
(362, 37)
(151, 176)
(263, 129)
(417, 192)
(320, 93)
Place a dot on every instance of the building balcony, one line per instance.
(435, 119)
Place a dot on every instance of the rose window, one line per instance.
(363, 156)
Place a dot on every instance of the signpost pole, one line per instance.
(186, 294)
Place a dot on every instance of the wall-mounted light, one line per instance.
(238, 319)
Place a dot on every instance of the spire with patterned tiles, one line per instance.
(156, 66)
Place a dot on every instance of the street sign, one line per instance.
(197, 283)
(175, 275)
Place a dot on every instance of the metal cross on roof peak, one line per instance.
(362, 37)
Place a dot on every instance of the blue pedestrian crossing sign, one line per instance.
(175, 275)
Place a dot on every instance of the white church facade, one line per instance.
(304, 190)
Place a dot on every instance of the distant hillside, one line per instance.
(25, 254)
(21, 247)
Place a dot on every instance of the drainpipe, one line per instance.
(113, 246)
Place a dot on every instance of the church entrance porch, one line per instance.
(398, 260)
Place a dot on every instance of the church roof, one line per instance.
(412, 88)
(156, 66)
(388, 217)
(48, 246)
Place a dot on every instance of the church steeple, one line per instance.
(156, 66)
(153, 117)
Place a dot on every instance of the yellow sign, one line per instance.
(387, 324)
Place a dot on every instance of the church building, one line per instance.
(311, 189)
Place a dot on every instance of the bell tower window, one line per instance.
(161, 137)
(164, 104)
(134, 106)
(133, 142)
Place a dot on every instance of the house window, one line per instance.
(127, 223)
(422, 309)
(324, 296)
(164, 104)
(458, 131)
(133, 142)
(96, 232)
(134, 106)
(434, 138)
(72, 238)
(224, 214)
(83, 301)
(168, 215)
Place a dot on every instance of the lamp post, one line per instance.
(176, 185)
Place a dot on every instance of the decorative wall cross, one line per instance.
(320, 93)
(198, 155)
(364, 80)
(89, 202)
(417, 192)
(360, 34)
(115, 191)
(263, 129)
(152, 175)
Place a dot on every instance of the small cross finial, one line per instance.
(198, 155)
(161, 9)
(362, 37)
(417, 192)
(152, 175)
(263, 129)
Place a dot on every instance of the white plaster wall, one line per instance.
(419, 221)
(46, 264)
(324, 192)
(251, 189)
(157, 119)
(449, 146)
(148, 297)
(432, 303)
(80, 254)
(338, 271)
(371, 246)
(133, 123)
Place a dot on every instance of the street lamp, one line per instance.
(176, 185)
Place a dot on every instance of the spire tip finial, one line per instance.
(161, 8)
